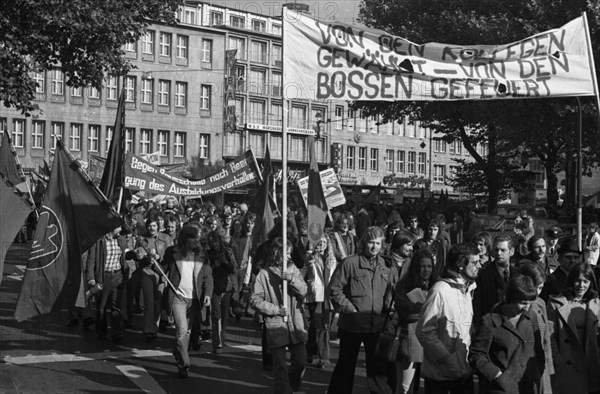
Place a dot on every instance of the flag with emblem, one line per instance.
(317, 206)
(74, 215)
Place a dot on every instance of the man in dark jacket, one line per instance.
(361, 289)
(105, 264)
(568, 255)
(538, 253)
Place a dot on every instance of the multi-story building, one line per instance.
(181, 86)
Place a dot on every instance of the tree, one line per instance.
(83, 37)
(509, 128)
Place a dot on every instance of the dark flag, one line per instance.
(13, 212)
(316, 204)
(374, 195)
(9, 166)
(264, 205)
(73, 217)
(112, 176)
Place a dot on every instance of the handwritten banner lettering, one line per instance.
(333, 60)
(141, 175)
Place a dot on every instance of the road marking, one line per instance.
(248, 348)
(141, 378)
(61, 358)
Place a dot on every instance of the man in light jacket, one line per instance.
(444, 327)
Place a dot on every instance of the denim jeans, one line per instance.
(219, 309)
(184, 312)
(110, 301)
(152, 292)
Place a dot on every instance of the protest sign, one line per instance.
(144, 176)
(333, 60)
(334, 195)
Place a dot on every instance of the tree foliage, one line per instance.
(83, 37)
(511, 129)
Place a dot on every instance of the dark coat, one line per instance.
(517, 352)
(489, 291)
(97, 259)
(576, 360)
(554, 285)
(224, 270)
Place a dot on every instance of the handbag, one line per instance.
(387, 342)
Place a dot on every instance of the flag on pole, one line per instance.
(112, 176)
(317, 206)
(13, 212)
(264, 205)
(374, 196)
(9, 166)
(73, 217)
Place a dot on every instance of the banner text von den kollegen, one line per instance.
(394, 68)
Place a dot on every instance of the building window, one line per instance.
(207, 51)
(38, 128)
(389, 160)
(439, 146)
(3, 128)
(40, 80)
(205, 93)
(76, 91)
(93, 138)
(94, 93)
(455, 147)
(276, 86)
(350, 150)
(338, 117)
(237, 21)
(180, 94)
(182, 47)
(58, 82)
(164, 44)
(240, 45)
(351, 119)
(412, 162)
(374, 159)
(203, 148)
(439, 173)
(298, 117)
(260, 26)
(276, 56)
(276, 29)
(256, 142)
(400, 161)
(58, 129)
(257, 81)
(148, 42)
(147, 91)
(129, 87)
(422, 161)
(257, 112)
(164, 89)
(275, 115)
(163, 143)
(189, 16)
(129, 139)
(259, 52)
(216, 18)
(18, 135)
(109, 133)
(111, 88)
(297, 148)
(145, 141)
(422, 130)
(276, 147)
(362, 158)
(130, 47)
(75, 137)
(179, 144)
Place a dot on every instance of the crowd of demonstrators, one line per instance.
(511, 308)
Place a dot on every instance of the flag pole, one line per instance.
(588, 41)
(284, 157)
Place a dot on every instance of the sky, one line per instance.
(341, 10)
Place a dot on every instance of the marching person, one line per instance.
(192, 278)
(360, 289)
(592, 245)
(444, 326)
(343, 241)
(267, 299)
(105, 266)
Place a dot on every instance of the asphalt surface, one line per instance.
(44, 355)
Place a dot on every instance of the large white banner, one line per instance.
(333, 60)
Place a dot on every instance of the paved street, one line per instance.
(44, 355)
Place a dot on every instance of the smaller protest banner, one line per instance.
(144, 176)
(331, 188)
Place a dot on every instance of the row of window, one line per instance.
(78, 134)
(405, 162)
(259, 51)
(193, 16)
(162, 91)
(168, 46)
(297, 146)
